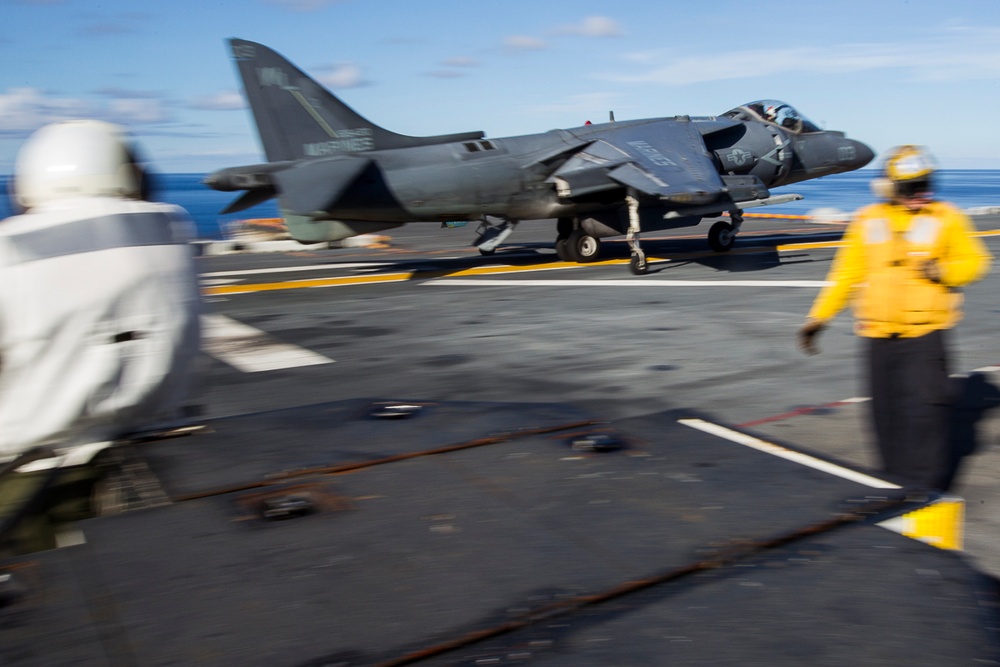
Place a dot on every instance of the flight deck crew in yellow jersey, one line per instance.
(901, 266)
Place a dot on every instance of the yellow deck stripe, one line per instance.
(313, 282)
(223, 290)
(394, 277)
(838, 244)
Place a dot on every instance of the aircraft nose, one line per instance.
(862, 154)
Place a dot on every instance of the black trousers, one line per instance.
(911, 407)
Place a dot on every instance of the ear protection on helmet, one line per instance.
(142, 176)
(907, 169)
(883, 188)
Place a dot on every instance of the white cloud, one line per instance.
(951, 55)
(524, 43)
(595, 107)
(593, 26)
(23, 110)
(224, 101)
(446, 74)
(454, 68)
(461, 61)
(137, 111)
(342, 75)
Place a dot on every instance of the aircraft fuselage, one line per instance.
(336, 174)
(505, 178)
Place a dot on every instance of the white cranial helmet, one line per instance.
(76, 158)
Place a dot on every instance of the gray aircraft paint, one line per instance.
(336, 174)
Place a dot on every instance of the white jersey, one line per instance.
(99, 308)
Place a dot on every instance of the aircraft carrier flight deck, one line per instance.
(414, 454)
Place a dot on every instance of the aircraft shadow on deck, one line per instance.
(750, 254)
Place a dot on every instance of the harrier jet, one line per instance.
(337, 175)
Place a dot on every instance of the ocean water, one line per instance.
(845, 192)
(966, 188)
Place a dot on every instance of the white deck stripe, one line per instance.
(290, 269)
(788, 454)
(486, 282)
(251, 350)
(73, 456)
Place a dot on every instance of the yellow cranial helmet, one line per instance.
(907, 171)
(907, 163)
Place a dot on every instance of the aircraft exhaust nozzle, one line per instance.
(220, 180)
(250, 177)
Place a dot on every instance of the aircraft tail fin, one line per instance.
(298, 118)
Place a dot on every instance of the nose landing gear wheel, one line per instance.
(721, 236)
(637, 265)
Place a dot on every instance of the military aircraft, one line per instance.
(337, 175)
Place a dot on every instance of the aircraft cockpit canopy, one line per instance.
(774, 111)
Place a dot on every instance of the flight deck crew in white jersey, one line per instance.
(99, 301)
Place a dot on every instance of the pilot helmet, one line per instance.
(77, 158)
(907, 171)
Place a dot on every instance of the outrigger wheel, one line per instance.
(722, 234)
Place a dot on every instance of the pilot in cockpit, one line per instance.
(788, 119)
(779, 113)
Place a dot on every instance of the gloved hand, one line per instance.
(807, 336)
(931, 270)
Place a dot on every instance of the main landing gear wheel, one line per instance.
(721, 236)
(564, 227)
(582, 247)
(563, 250)
(638, 266)
(487, 253)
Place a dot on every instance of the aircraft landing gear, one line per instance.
(576, 245)
(564, 227)
(722, 234)
(583, 247)
(637, 265)
(491, 235)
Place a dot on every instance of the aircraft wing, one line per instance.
(306, 186)
(667, 159)
(311, 186)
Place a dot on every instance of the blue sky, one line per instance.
(885, 72)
